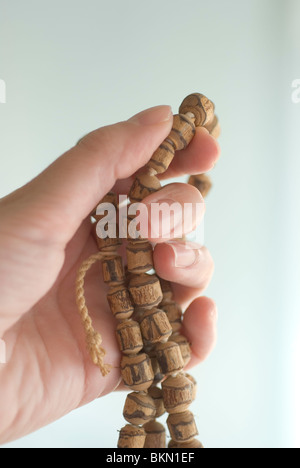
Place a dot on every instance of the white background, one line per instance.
(71, 66)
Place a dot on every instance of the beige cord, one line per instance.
(93, 338)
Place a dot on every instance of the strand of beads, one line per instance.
(177, 389)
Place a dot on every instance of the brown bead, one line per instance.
(194, 443)
(185, 347)
(200, 106)
(162, 157)
(137, 371)
(144, 185)
(155, 435)
(202, 182)
(182, 132)
(132, 437)
(182, 427)
(145, 291)
(139, 408)
(194, 386)
(166, 290)
(174, 313)
(120, 303)
(214, 127)
(157, 396)
(107, 244)
(155, 326)
(139, 257)
(177, 394)
(129, 337)
(111, 198)
(169, 357)
(158, 376)
(113, 271)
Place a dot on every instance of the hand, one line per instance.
(45, 235)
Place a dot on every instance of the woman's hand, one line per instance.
(45, 234)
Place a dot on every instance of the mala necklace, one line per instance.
(149, 320)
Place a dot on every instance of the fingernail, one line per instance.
(185, 255)
(152, 116)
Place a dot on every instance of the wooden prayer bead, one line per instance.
(194, 385)
(155, 326)
(174, 313)
(162, 157)
(111, 198)
(129, 337)
(132, 437)
(137, 371)
(182, 132)
(182, 427)
(157, 396)
(143, 186)
(113, 271)
(158, 376)
(177, 393)
(120, 303)
(107, 244)
(194, 443)
(185, 347)
(200, 106)
(139, 408)
(155, 435)
(202, 182)
(139, 257)
(214, 127)
(169, 357)
(145, 291)
(167, 291)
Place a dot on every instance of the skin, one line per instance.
(45, 235)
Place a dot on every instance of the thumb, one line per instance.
(57, 201)
(39, 219)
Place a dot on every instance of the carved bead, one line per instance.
(137, 372)
(194, 443)
(166, 290)
(182, 427)
(174, 313)
(107, 244)
(158, 376)
(139, 408)
(132, 437)
(113, 271)
(139, 257)
(157, 396)
(185, 347)
(194, 385)
(162, 157)
(169, 357)
(182, 132)
(200, 106)
(129, 337)
(143, 186)
(120, 302)
(155, 326)
(202, 182)
(214, 127)
(111, 198)
(155, 435)
(177, 394)
(145, 291)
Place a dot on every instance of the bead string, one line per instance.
(149, 337)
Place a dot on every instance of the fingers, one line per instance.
(200, 156)
(64, 194)
(200, 328)
(186, 264)
(170, 213)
